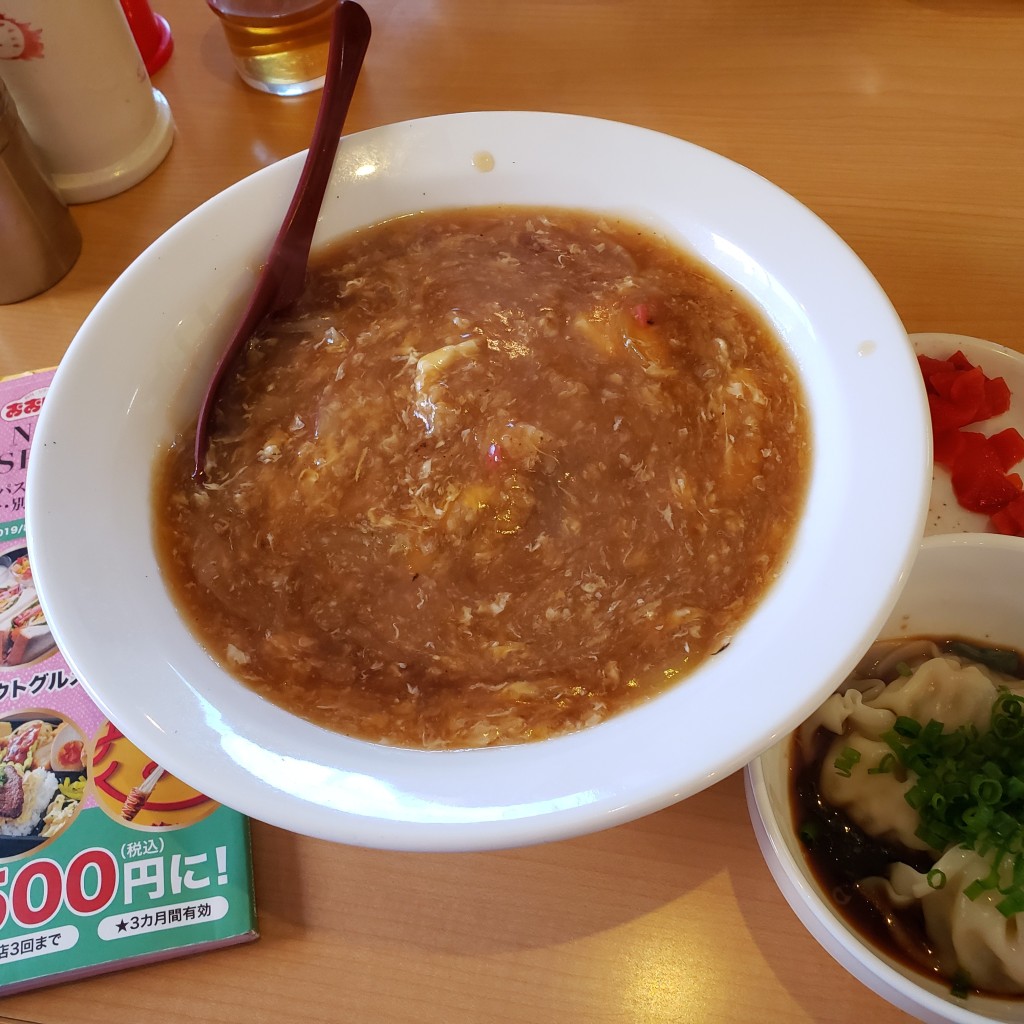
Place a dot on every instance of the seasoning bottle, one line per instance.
(39, 242)
(83, 94)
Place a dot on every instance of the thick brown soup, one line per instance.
(501, 474)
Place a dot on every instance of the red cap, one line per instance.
(151, 31)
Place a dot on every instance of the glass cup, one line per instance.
(278, 46)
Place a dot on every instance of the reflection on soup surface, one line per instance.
(500, 474)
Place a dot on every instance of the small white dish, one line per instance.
(945, 514)
(133, 377)
(965, 585)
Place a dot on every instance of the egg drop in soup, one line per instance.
(501, 474)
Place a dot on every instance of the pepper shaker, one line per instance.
(83, 94)
(39, 242)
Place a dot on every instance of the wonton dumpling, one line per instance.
(940, 688)
(853, 706)
(967, 935)
(877, 803)
(944, 690)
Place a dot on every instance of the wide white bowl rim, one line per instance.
(136, 367)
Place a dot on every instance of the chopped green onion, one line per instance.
(1007, 662)
(916, 797)
(968, 790)
(987, 791)
(975, 819)
(961, 987)
(1008, 724)
(936, 878)
(809, 833)
(904, 669)
(884, 766)
(975, 889)
(844, 763)
(1005, 825)
(954, 743)
(909, 727)
(1012, 904)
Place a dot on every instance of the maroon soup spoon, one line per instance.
(283, 275)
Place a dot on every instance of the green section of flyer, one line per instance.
(12, 531)
(105, 893)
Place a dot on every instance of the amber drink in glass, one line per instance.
(278, 46)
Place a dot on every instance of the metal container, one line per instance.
(39, 242)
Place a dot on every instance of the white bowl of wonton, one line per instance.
(132, 379)
(967, 588)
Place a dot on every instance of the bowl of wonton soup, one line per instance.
(131, 382)
(965, 587)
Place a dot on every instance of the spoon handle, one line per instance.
(284, 273)
(350, 37)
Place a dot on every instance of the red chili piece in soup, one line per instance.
(500, 474)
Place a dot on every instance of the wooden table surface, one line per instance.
(901, 123)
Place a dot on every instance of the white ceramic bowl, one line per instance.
(966, 585)
(133, 376)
